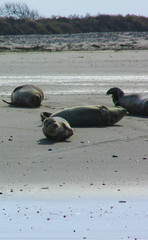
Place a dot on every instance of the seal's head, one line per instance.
(36, 100)
(116, 93)
(51, 126)
(56, 128)
(116, 114)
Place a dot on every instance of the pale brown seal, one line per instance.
(56, 128)
(134, 103)
(89, 116)
(26, 96)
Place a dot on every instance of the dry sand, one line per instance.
(110, 162)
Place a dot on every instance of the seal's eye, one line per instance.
(55, 125)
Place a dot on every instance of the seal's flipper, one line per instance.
(45, 115)
(18, 88)
(6, 101)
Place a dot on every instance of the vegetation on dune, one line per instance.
(19, 19)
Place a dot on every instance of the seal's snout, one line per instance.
(117, 114)
(122, 111)
(55, 125)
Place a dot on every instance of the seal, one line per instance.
(89, 116)
(26, 96)
(135, 104)
(56, 128)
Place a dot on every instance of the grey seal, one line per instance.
(26, 96)
(135, 104)
(56, 128)
(89, 116)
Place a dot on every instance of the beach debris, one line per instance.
(49, 149)
(114, 156)
(10, 138)
(122, 201)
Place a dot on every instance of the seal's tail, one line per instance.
(6, 101)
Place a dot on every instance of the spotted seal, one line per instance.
(135, 104)
(89, 116)
(56, 128)
(26, 96)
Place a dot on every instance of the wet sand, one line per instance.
(107, 164)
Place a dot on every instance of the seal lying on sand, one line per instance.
(133, 103)
(89, 116)
(56, 128)
(26, 96)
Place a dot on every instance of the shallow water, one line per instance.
(77, 84)
(88, 218)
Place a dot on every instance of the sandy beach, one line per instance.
(107, 164)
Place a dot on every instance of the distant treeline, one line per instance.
(73, 24)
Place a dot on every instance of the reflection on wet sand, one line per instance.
(74, 219)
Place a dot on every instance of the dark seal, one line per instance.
(135, 104)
